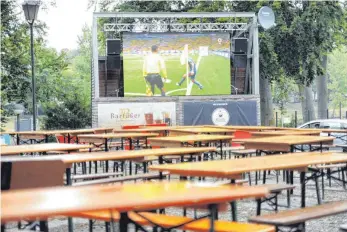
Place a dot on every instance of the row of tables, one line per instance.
(18, 204)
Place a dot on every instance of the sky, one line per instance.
(65, 22)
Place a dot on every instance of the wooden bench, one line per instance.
(272, 200)
(96, 176)
(145, 176)
(295, 219)
(181, 223)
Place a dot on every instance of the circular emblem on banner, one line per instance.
(220, 117)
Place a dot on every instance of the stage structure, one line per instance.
(113, 25)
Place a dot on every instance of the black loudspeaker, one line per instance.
(239, 45)
(113, 62)
(113, 47)
(239, 73)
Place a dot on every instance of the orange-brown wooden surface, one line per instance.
(258, 134)
(202, 225)
(48, 202)
(147, 129)
(203, 130)
(117, 135)
(57, 132)
(117, 155)
(227, 168)
(189, 138)
(44, 147)
(294, 216)
(283, 143)
(249, 128)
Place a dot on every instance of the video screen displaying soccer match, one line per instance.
(176, 64)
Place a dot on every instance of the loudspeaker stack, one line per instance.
(114, 69)
(239, 58)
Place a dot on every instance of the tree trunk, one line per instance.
(322, 91)
(307, 106)
(266, 110)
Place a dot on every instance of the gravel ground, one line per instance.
(246, 209)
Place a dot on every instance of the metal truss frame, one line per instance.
(175, 27)
(169, 22)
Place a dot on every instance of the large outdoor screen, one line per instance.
(176, 64)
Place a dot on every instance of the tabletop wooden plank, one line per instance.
(57, 132)
(115, 155)
(44, 147)
(48, 202)
(227, 168)
(249, 128)
(188, 138)
(117, 135)
(258, 134)
(200, 130)
(283, 143)
(147, 129)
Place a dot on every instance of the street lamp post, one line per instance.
(31, 9)
(18, 110)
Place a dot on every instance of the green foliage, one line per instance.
(337, 72)
(70, 114)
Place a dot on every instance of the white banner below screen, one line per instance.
(119, 114)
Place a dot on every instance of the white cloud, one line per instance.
(65, 22)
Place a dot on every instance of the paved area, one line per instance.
(246, 209)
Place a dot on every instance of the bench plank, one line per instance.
(296, 216)
(202, 225)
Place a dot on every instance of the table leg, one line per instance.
(130, 144)
(303, 189)
(221, 149)
(68, 182)
(161, 161)
(106, 144)
(123, 222)
(233, 207)
(68, 138)
(46, 138)
(213, 211)
(44, 226)
(18, 139)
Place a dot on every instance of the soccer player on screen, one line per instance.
(191, 73)
(152, 66)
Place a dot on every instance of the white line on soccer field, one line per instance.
(190, 85)
(155, 95)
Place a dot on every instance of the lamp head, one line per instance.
(31, 9)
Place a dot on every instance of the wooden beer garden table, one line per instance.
(284, 143)
(104, 138)
(233, 169)
(180, 141)
(51, 202)
(44, 147)
(42, 136)
(249, 128)
(153, 129)
(115, 155)
(259, 134)
(200, 130)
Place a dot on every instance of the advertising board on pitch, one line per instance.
(119, 114)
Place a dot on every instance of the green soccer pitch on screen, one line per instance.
(176, 64)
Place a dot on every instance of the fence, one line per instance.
(295, 118)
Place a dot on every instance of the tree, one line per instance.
(337, 72)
